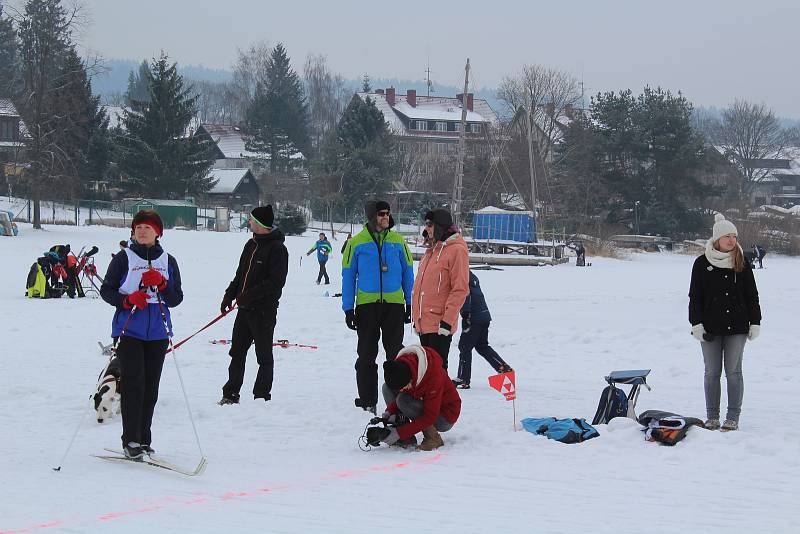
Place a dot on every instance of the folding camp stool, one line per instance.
(635, 378)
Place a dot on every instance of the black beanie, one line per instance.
(263, 215)
(396, 374)
(372, 207)
(442, 221)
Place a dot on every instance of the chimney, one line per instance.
(378, 91)
(411, 97)
(390, 95)
(470, 100)
(550, 109)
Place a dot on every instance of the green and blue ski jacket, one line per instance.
(376, 267)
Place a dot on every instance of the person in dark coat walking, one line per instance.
(475, 320)
(347, 240)
(143, 282)
(256, 289)
(724, 312)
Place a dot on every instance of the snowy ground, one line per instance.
(293, 465)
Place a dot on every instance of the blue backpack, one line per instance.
(563, 430)
(613, 403)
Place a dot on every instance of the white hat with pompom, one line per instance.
(722, 227)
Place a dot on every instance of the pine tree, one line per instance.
(44, 41)
(365, 85)
(359, 158)
(277, 119)
(137, 95)
(157, 153)
(8, 57)
(290, 220)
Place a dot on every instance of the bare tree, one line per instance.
(327, 95)
(214, 102)
(250, 68)
(748, 133)
(539, 98)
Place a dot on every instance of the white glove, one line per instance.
(755, 330)
(698, 331)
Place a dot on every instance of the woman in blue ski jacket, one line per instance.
(143, 282)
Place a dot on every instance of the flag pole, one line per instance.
(514, 407)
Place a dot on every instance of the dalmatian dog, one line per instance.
(107, 397)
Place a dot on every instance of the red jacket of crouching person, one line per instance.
(431, 384)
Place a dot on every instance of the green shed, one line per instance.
(172, 212)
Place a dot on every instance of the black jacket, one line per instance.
(262, 272)
(726, 302)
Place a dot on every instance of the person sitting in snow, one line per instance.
(419, 398)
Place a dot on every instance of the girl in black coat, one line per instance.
(724, 312)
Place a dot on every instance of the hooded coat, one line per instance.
(441, 285)
(430, 384)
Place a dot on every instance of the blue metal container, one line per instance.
(498, 224)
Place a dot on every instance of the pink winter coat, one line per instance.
(441, 285)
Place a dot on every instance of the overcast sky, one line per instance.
(714, 51)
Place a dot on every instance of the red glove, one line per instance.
(153, 278)
(137, 298)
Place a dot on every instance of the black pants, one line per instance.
(323, 272)
(141, 363)
(251, 326)
(375, 320)
(477, 338)
(439, 343)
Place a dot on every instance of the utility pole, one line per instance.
(462, 146)
(531, 163)
(428, 80)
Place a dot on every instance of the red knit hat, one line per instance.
(150, 218)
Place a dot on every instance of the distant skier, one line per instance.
(475, 320)
(324, 249)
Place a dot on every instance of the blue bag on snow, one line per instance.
(563, 430)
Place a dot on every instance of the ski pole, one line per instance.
(71, 441)
(83, 417)
(178, 370)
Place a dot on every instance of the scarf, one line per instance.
(722, 260)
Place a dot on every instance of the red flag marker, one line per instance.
(504, 383)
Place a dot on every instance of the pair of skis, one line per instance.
(283, 343)
(119, 456)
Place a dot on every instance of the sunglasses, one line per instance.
(383, 213)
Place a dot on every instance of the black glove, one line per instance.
(376, 434)
(407, 318)
(465, 324)
(350, 319)
(227, 303)
(444, 329)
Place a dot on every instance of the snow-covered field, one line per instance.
(293, 464)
